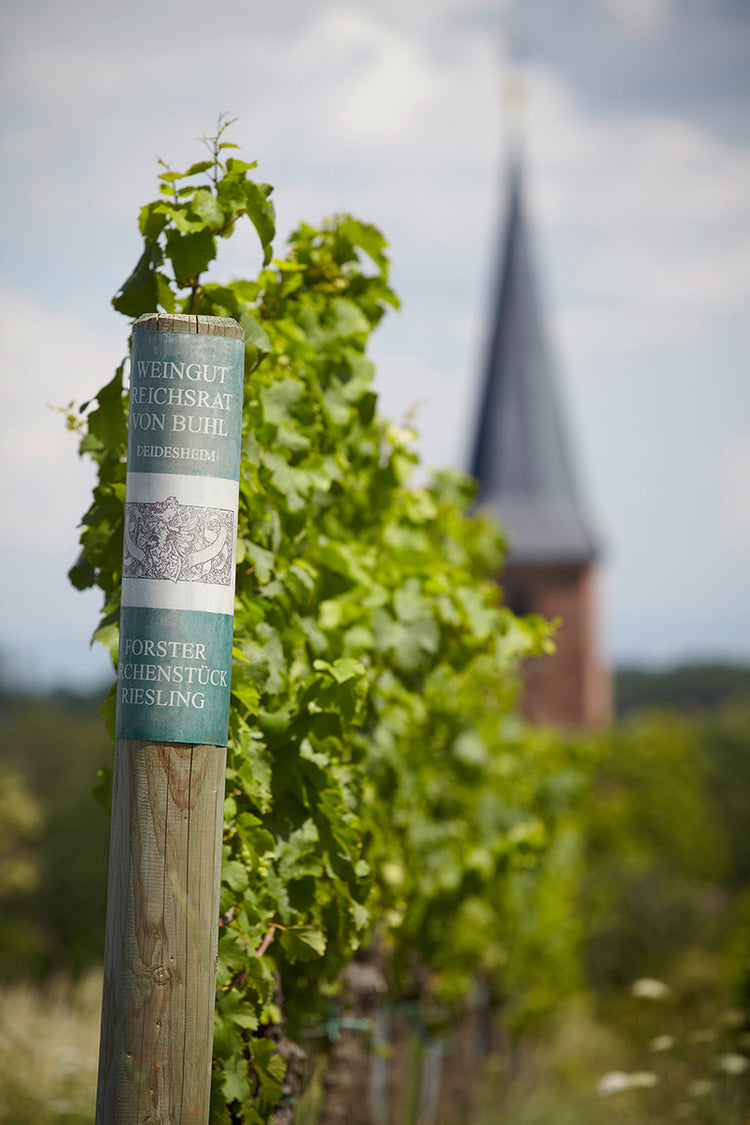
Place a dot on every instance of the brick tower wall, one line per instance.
(570, 688)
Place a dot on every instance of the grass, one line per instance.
(49, 1045)
(49, 1036)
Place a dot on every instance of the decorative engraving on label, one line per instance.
(178, 542)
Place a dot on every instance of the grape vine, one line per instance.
(381, 789)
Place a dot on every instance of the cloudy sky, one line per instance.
(638, 185)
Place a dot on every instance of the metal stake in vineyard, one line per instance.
(173, 685)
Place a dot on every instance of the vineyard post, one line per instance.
(172, 716)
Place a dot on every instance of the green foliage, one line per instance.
(53, 837)
(667, 859)
(656, 847)
(725, 739)
(20, 823)
(689, 1058)
(693, 687)
(378, 782)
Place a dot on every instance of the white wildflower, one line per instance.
(733, 1064)
(643, 1079)
(613, 1083)
(662, 1043)
(647, 988)
(700, 1088)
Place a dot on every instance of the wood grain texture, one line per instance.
(185, 322)
(162, 934)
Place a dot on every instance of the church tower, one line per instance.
(523, 464)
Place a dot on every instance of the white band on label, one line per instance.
(180, 542)
(207, 491)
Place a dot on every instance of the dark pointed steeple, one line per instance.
(521, 456)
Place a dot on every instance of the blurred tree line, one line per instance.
(691, 687)
(668, 874)
(54, 837)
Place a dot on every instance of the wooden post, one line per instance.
(173, 678)
(162, 932)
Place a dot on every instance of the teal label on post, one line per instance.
(179, 550)
(185, 404)
(173, 675)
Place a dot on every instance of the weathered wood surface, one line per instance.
(162, 934)
(187, 322)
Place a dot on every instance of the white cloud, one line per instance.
(413, 390)
(394, 82)
(339, 91)
(48, 358)
(654, 215)
(641, 18)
